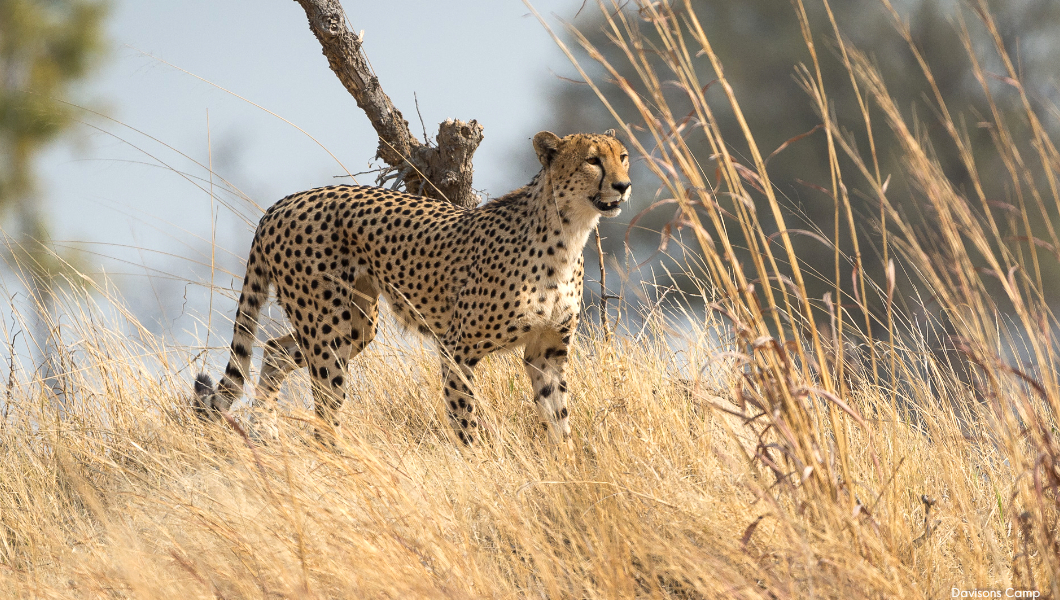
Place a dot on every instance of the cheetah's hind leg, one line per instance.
(341, 332)
(282, 356)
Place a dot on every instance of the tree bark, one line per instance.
(441, 171)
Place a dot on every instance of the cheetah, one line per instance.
(504, 275)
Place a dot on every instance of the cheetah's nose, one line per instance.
(621, 186)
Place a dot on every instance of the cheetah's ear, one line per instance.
(546, 144)
(611, 133)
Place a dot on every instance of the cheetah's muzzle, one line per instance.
(609, 209)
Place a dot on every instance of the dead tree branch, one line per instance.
(442, 171)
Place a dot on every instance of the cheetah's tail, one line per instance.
(202, 402)
(209, 400)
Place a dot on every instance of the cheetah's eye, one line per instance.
(594, 160)
(624, 157)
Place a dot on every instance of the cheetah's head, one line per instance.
(590, 167)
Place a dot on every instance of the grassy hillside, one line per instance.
(120, 494)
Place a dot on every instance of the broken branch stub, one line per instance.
(443, 171)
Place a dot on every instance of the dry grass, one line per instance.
(120, 494)
(762, 465)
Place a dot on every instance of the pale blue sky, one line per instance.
(484, 59)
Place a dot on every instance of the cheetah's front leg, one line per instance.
(546, 360)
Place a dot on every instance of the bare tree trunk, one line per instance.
(443, 171)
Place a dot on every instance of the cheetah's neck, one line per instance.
(548, 212)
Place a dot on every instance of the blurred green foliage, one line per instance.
(761, 47)
(47, 47)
